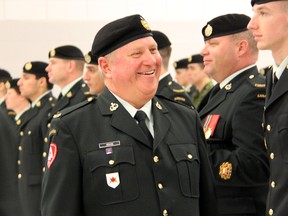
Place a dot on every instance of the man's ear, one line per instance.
(104, 64)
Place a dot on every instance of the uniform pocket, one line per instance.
(283, 135)
(188, 166)
(114, 174)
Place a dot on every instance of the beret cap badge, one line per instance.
(28, 66)
(52, 52)
(208, 30)
(87, 58)
(145, 24)
(7, 85)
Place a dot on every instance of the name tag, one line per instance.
(109, 144)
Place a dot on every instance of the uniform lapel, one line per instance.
(120, 118)
(279, 89)
(161, 122)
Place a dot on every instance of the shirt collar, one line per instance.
(67, 88)
(232, 76)
(279, 69)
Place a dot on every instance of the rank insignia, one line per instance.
(225, 171)
(113, 179)
(210, 125)
(113, 106)
(52, 154)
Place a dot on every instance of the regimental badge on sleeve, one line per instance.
(210, 125)
(52, 154)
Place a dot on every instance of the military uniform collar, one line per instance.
(279, 69)
(232, 76)
(164, 75)
(68, 87)
(39, 99)
(20, 114)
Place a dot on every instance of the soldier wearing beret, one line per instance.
(9, 204)
(153, 164)
(181, 75)
(200, 80)
(232, 116)
(167, 86)
(269, 25)
(16, 102)
(65, 70)
(92, 76)
(34, 86)
(4, 77)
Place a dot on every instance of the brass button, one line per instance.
(190, 156)
(29, 132)
(111, 162)
(251, 76)
(44, 154)
(19, 162)
(156, 159)
(21, 133)
(273, 184)
(268, 127)
(160, 186)
(46, 139)
(270, 211)
(19, 176)
(165, 212)
(49, 125)
(20, 148)
(43, 169)
(262, 125)
(272, 156)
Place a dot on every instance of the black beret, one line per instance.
(66, 52)
(182, 63)
(225, 25)
(91, 59)
(261, 1)
(12, 84)
(118, 33)
(197, 58)
(161, 39)
(4, 75)
(36, 67)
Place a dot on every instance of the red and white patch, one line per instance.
(113, 179)
(52, 154)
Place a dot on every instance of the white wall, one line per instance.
(30, 28)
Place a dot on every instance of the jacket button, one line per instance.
(20, 148)
(268, 127)
(165, 212)
(19, 162)
(44, 154)
(19, 176)
(273, 184)
(190, 156)
(160, 186)
(111, 162)
(272, 156)
(270, 211)
(156, 159)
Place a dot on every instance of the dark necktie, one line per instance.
(214, 90)
(140, 117)
(275, 80)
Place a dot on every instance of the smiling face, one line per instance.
(270, 26)
(132, 71)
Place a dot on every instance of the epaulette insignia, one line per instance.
(178, 90)
(158, 105)
(259, 85)
(179, 99)
(52, 131)
(57, 115)
(38, 104)
(228, 86)
(261, 96)
(225, 171)
(69, 94)
(18, 122)
(113, 106)
(87, 93)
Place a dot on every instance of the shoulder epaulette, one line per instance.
(72, 108)
(258, 81)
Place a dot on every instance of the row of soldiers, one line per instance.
(178, 158)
